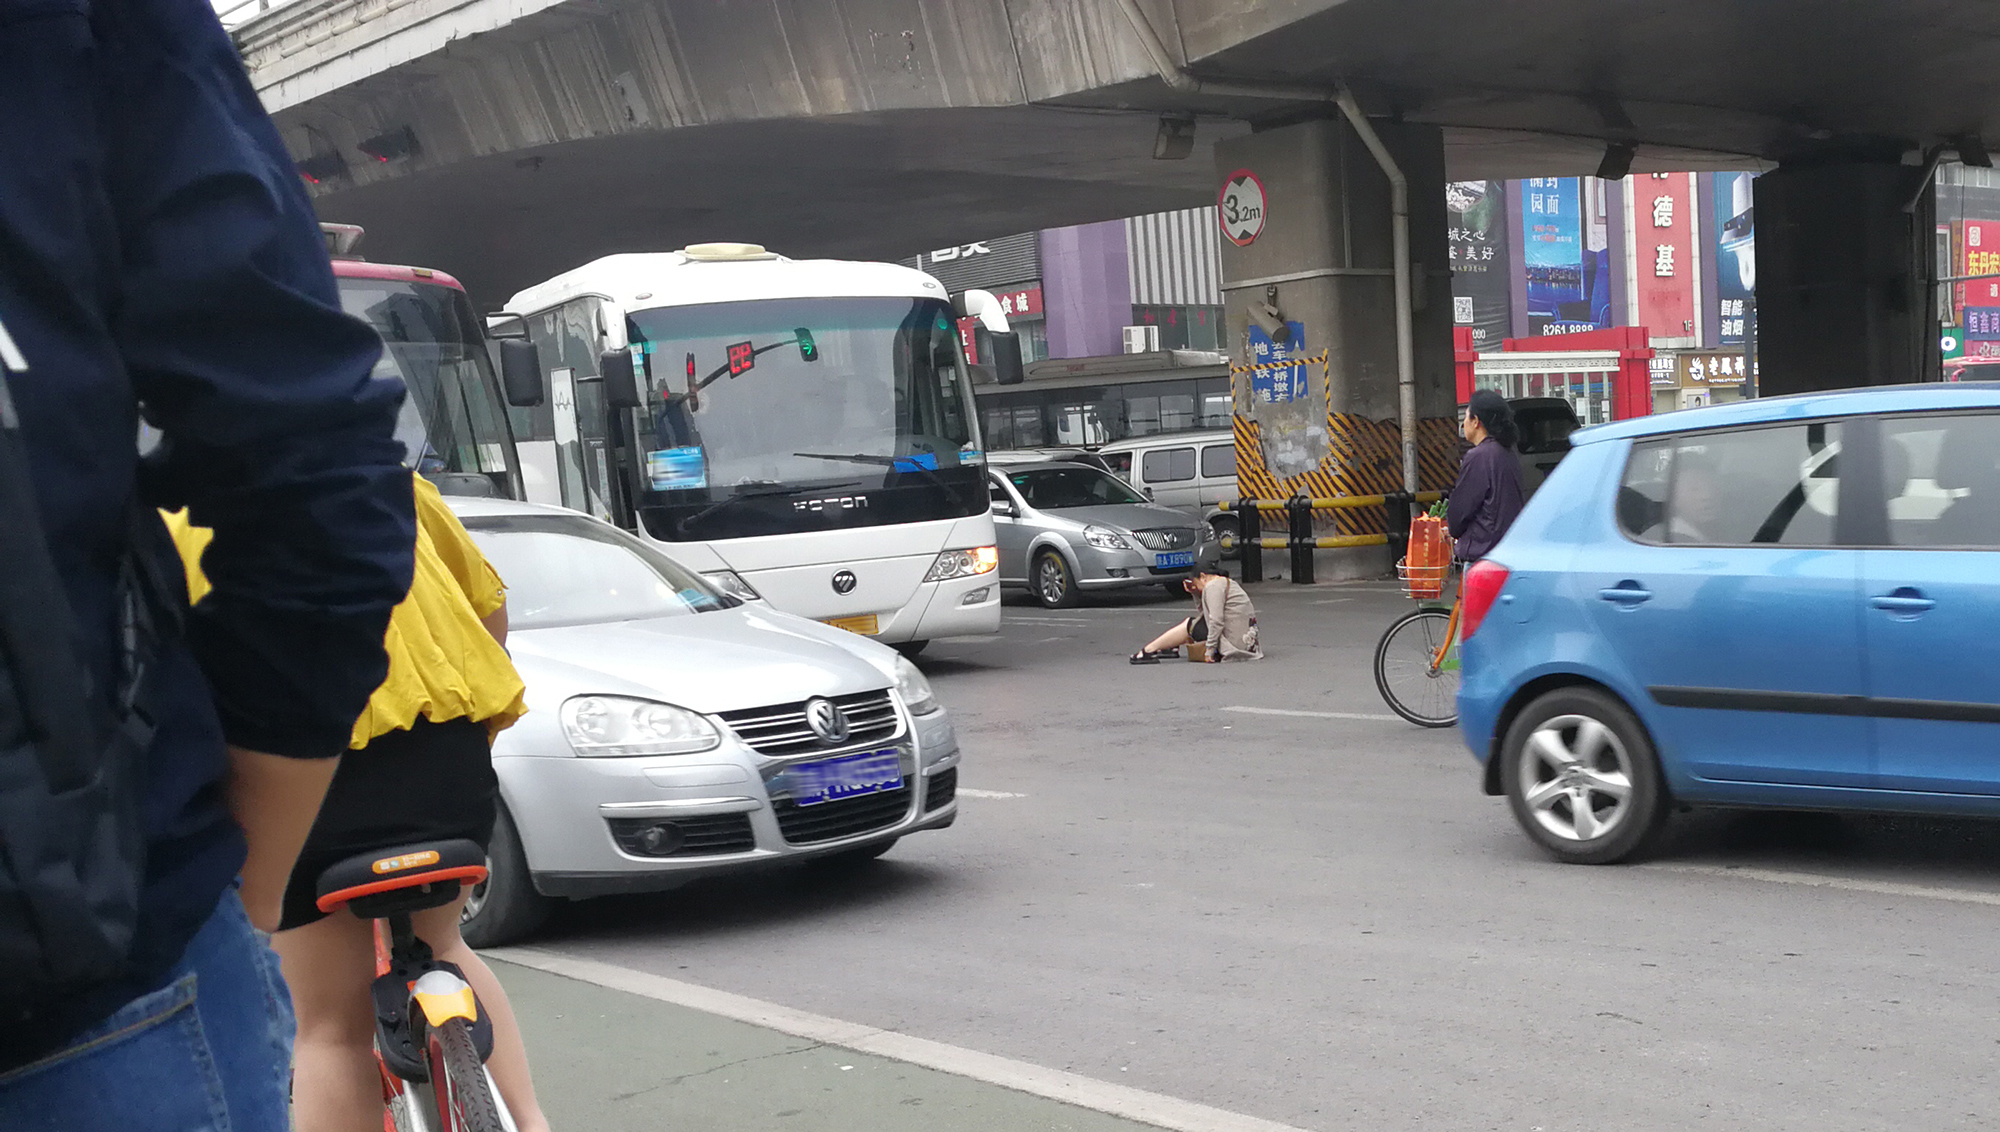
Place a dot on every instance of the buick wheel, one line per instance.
(1053, 586)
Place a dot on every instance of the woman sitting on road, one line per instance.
(419, 768)
(1488, 496)
(1226, 623)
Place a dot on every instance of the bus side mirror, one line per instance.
(521, 372)
(1001, 350)
(621, 380)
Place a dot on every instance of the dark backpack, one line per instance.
(72, 847)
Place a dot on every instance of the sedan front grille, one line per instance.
(781, 730)
(1170, 538)
(848, 817)
(706, 835)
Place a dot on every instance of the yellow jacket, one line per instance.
(443, 664)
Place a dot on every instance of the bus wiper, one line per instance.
(776, 491)
(898, 463)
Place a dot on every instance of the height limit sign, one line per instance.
(1240, 207)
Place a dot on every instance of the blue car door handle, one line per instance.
(1625, 593)
(1906, 600)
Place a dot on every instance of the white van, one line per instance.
(1192, 471)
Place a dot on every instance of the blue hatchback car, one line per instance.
(1791, 602)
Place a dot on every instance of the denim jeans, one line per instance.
(209, 1050)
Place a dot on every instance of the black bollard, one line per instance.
(1249, 539)
(1301, 514)
(1398, 509)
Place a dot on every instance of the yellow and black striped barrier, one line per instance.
(1299, 538)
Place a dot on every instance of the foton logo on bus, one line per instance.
(406, 861)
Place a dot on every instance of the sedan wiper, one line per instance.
(778, 491)
(898, 463)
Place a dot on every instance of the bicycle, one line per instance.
(1416, 661)
(432, 1038)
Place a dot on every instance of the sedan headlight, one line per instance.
(1104, 538)
(732, 583)
(915, 688)
(963, 564)
(622, 725)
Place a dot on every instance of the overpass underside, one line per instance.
(525, 137)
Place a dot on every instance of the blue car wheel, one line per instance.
(1582, 777)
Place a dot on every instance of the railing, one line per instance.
(1300, 540)
(234, 13)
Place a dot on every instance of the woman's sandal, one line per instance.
(1144, 657)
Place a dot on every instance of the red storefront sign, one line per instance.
(1015, 302)
(1662, 234)
(1979, 243)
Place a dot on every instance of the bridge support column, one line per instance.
(1321, 253)
(1841, 294)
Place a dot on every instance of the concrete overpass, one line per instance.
(509, 139)
(525, 136)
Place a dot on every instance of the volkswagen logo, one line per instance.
(827, 720)
(844, 582)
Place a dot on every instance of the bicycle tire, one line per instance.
(465, 1100)
(1403, 672)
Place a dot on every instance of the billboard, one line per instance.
(1566, 255)
(1663, 228)
(1735, 255)
(1979, 241)
(1476, 232)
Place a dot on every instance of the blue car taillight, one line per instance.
(1483, 581)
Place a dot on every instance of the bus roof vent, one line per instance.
(341, 239)
(718, 253)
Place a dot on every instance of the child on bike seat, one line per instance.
(419, 768)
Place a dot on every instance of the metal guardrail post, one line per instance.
(1397, 508)
(1249, 538)
(1299, 511)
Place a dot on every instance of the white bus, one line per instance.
(799, 431)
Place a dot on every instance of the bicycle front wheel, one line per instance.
(1408, 673)
(465, 1101)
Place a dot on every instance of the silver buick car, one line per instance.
(1066, 528)
(674, 731)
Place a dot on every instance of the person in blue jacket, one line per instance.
(159, 258)
(1488, 495)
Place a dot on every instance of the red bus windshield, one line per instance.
(454, 421)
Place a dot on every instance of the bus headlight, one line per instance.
(732, 583)
(963, 564)
(622, 725)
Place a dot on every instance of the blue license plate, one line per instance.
(848, 777)
(1177, 560)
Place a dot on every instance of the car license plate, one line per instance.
(866, 625)
(1177, 560)
(834, 779)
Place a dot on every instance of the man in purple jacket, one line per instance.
(1488, 495)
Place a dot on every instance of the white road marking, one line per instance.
(969, 792)
(1333, 601)
(1849, 884)
(1045, 620)
(1069, 1088)
(1313, 714)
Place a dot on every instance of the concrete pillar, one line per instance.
(1325, 247)
(1841, 293)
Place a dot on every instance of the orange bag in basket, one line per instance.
(1429, 556)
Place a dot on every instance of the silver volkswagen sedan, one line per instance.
(1066, 528)
(674, 731)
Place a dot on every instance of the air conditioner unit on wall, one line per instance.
(1142, 339)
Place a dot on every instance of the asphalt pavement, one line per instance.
(1244, 896)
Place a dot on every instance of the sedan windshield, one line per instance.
(1049, 489)
(578, 571)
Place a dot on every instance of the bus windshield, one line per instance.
(774, 416)
(453, 422)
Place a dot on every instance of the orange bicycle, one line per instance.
(1416, 661)
(431, 1037)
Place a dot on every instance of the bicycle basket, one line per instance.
(1423, 581)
